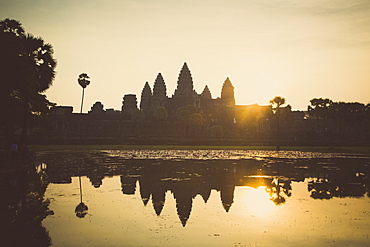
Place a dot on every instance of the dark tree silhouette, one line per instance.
(349, 116)
(27, 71)
(276, 103)
(23, 207)
(84, 81)
(320, 109)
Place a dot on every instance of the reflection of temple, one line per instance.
(185, 180)
(188, 178)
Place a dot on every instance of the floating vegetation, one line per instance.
(220, 154)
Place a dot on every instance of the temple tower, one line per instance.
(227, 93)
(97, 108)
(146, 98)
(129, 103)
(184, 93)
(184, 82)
(159, 88)
(206, 94)
(205, 98)
(227, 196)
(159, 98)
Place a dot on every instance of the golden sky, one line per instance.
(295, 49)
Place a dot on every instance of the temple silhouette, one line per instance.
(188, 117)
(184, 95)
(184, 117)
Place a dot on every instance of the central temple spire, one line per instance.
(184, 82)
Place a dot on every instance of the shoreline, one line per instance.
(323, 149)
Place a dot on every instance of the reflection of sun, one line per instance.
(258, 202)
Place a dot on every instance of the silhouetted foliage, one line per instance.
(349, 120)
(27, 70)
(23, 207)
(320, 106)
(276, 103)
(83, 80)
(320, 109)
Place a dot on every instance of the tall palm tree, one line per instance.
(41, 73)
(276, 103)
(28, 70)
(84, 81)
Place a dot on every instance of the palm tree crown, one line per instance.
(83, 80)
(277, 101)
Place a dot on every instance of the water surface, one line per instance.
(206, 198)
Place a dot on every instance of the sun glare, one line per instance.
(258, 202)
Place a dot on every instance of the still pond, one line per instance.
(188, 198)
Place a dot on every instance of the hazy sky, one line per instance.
(296, 49)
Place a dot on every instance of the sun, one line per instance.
(258, 202)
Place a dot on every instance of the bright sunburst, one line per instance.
(258, 202)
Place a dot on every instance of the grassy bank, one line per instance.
(35, 148)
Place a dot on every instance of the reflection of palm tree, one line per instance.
(81, 208)
(274, 190)
(287, 188)
(278, 199)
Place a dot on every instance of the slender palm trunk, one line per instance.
(82, 102)
(79, 179)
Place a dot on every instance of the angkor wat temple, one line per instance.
(184, 95)
(186, 118)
